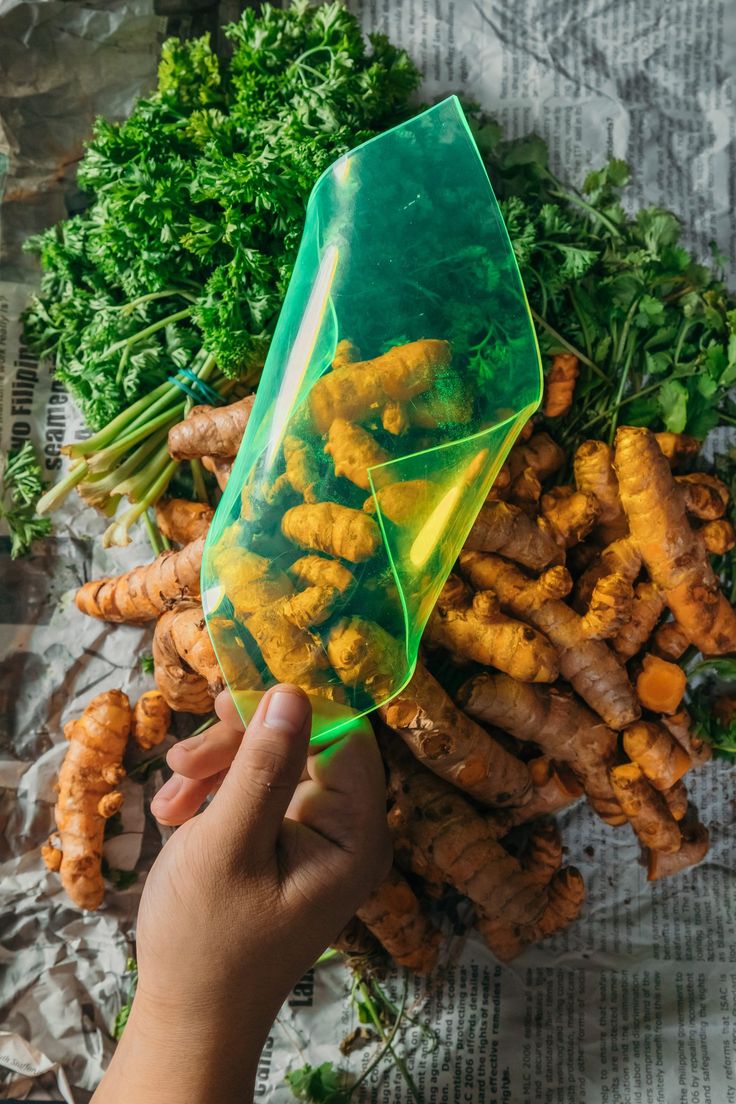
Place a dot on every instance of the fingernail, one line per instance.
(169, 789)
(286, 711)
(192, 742)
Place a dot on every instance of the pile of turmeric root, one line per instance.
(561, 629)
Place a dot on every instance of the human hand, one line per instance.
(244, 897)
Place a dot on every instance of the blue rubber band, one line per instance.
(199, 391)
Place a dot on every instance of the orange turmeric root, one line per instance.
(89, 775)
(185, 667)
(673, 553)
(692, 850)
(358, 390)
(394, 915)
(588, 665)
(559, 724)
(660, 685)
(183, 521)
(677, 800)
(565, 898)
(680, 726)
(706, 497)
(646, 610)
(446, 829)
(146, 591)
(542, 856)
(364, 655)
(507, 530)
(678, 449)
(444, 739)
(670, 641)
(646, 809)
(594, 475)
(353, 451)
(336, 530)
(211, 431)
(559, 384)
(151, 719)
(719, 537)
(219, 466)
(300, 475)
(657, 753)
(473, 627)
(569, 515)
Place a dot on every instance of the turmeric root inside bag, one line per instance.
(402, 368)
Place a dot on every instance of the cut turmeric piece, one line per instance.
(678, 449)
(660, 684)
(364, 655)
(569, 515)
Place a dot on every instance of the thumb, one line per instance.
(255, 794)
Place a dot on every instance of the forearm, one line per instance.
(165, 1057)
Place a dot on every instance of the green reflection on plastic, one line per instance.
(403, 243)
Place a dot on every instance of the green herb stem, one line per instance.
(56, 494)
(567, 345)
(388, 1039)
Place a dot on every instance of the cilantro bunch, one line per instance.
(655, 331)
(180, 262)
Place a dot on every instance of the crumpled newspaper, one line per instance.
(637, 1001)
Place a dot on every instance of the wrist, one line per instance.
(206, 1054)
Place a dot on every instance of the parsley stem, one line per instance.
(581, 319)
(100, 487)
(126, 344)
(124, 420)
(117, 533)
(149, 298)
(102, 460)
(200, 487)
(141, 335)
(686, 325)
(578, 201)
(56, 494)
(563, 341)
(619, 394)
(153, 534)
(136, 483)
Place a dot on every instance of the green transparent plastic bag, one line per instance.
(403, 366)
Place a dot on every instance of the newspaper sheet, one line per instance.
(635, 1004)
